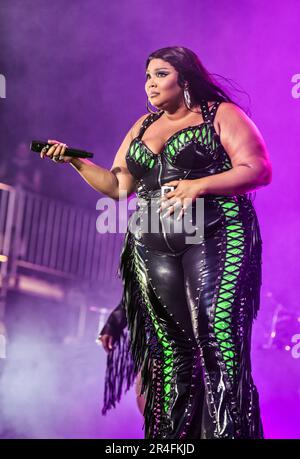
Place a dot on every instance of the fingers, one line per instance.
(172, 209)
(56, 152)
(168, 196)
(63, 150)
(106, 341)
(169, 204)
(181, 213)
(110, 342)
(175, 206)
(166, 203)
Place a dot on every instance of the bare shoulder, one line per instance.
(231, 118)
(235, 125)
(137, 125)
(229, 111)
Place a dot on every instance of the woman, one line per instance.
(189, 306)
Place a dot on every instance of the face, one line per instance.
(161, 78)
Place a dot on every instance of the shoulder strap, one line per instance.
(147, 121)
(209, 113)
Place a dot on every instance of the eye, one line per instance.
(157, 73)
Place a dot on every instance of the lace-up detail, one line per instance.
(233, 256)
(139, 153)
(202, 135)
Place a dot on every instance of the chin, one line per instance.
(158, 107)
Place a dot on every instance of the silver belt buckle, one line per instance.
(166, 188)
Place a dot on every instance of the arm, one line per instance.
(117, 182)
(251, 167)
(116, 321)
(113, 328)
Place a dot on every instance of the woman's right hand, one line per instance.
(56, 152)
(107, 342)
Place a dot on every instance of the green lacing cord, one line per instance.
(168, 362)
(139, 153)
(233, 260)
(204, 133)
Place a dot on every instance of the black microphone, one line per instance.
(38, 145)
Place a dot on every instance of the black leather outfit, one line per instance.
(189, 307)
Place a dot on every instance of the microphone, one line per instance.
(38, 145)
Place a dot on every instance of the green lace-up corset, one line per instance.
(191, 152)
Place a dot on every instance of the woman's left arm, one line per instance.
(245, 146)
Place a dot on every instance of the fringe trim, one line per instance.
(120, 372)
(254, 275)
(122, 364)
(247, 395)
(255, 278)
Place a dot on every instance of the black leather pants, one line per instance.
(190, 310)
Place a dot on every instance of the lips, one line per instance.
(154, 94)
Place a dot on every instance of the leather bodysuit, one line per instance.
(188, 307)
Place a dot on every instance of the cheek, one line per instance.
(171, 85)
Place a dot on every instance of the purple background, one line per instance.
(75, 72)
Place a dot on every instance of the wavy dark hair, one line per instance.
(202, 84)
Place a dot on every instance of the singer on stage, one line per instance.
(188, 307)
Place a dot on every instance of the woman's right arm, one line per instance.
(117, 183)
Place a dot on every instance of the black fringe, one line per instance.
(120, 373)
(255, 279)
(247, 395)
(122, 366)
(254, 274)
(145, 349)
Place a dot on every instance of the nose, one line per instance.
(151, 86)
(150, 82)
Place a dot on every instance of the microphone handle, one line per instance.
(38, 145)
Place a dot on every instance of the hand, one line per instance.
(185, 193)
(107, 342)
(56, 152)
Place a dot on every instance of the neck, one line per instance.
(180, 112)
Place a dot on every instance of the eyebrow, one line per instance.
(160, 68)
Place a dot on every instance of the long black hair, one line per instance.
(202, 84)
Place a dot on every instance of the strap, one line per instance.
(147, 121)
(209, 113)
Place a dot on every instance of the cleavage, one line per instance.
(147, 141)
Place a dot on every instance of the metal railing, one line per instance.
(43, 235)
